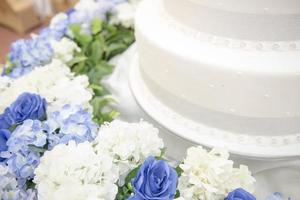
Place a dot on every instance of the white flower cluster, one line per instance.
(4, 82)
(128, 143)
(76, 172)
(64, 49)
(54, 82)
(124, 13)
(211, 175)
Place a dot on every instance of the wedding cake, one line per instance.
(222, 73)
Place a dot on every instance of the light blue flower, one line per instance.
(24, 144)
(277, 196)
(10, 189)
(28, 54)
(57, 29)
(70, 123)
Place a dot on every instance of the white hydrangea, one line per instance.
(91, 5)
(76, 172)
(128, 143)
(55, 82)
(64, 49)
(211, 175)
(4, 83)
(124, 13)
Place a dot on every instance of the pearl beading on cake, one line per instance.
(211, 133)
(229, 42)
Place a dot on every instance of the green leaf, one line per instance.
(76, 60)
(30, 184)
(115, 49)
(178, 170)
(96, 87)
(96, 52)
(113, 114)
(177, 195)
(82, 39)
(132, 175)
(96, 26)
(36, 149)
(75, 28)
(125, 191)
(99, 71)
(100, 103)
(13, 127)
(162, 153)
(79, 68)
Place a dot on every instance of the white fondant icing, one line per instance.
(267, 20)
(242, 90)
(267, 147)
(246, 6)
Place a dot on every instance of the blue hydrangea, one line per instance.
(28, 54)
(60, 23)
(84, 15)
(23, 154)
(29, 140)
(277, 196)
(70, 123)
(57, 29)
(10, 189)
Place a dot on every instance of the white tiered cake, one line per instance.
(222, 72)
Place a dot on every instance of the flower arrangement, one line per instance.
(58, 139)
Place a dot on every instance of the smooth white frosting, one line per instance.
(267, 20)
(245, 6)
(251, 92)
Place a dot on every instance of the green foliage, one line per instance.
(126, 190)
(9, 66)
(179, 171)
(105, 42)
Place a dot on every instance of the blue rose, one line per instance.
(240, 194)
(28, 106)
(4, 135)
(6, 119)
(156, 180)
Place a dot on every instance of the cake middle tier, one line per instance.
(250, 91)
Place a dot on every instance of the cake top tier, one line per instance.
(259, 20)
(252, 6)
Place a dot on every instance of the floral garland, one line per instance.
(57, 140)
